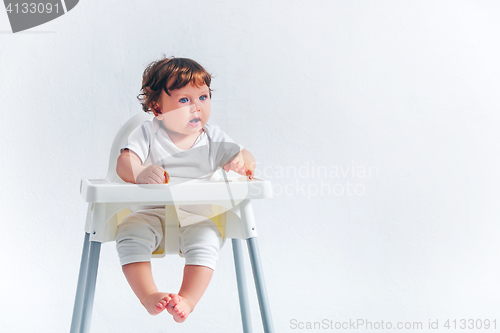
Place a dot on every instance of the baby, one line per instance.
(177, 91)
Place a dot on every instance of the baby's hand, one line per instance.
(153, 174)
(239, 165)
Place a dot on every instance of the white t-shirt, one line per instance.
(212, 149)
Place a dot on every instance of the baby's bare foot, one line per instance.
(179, 307)
(156, 302)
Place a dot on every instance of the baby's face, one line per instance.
(186, 110)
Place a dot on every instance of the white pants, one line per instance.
(141, 232)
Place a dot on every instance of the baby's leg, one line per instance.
(137, 237)
(140, 279)
(200, 245)
(194, 284)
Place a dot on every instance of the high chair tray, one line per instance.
(178, 191)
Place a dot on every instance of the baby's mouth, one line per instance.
(194, 121)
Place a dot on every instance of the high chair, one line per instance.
(109, 200)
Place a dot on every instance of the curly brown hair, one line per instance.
(175, 72)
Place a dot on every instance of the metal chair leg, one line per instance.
(80, 289)
(88, 298)
(242, 285)
(258, 275)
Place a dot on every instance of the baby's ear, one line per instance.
(156, 110)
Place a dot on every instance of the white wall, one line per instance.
(402, 92)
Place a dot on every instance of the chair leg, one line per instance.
(80, 289)
(258, 275)
(88, 298)
(242, 285)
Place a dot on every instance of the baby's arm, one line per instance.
(244, 164)
(129, 168)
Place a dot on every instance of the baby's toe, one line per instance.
(175, 298)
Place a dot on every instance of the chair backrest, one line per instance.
(120, 139)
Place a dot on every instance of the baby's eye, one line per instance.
(203, 97)
(183, 100)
